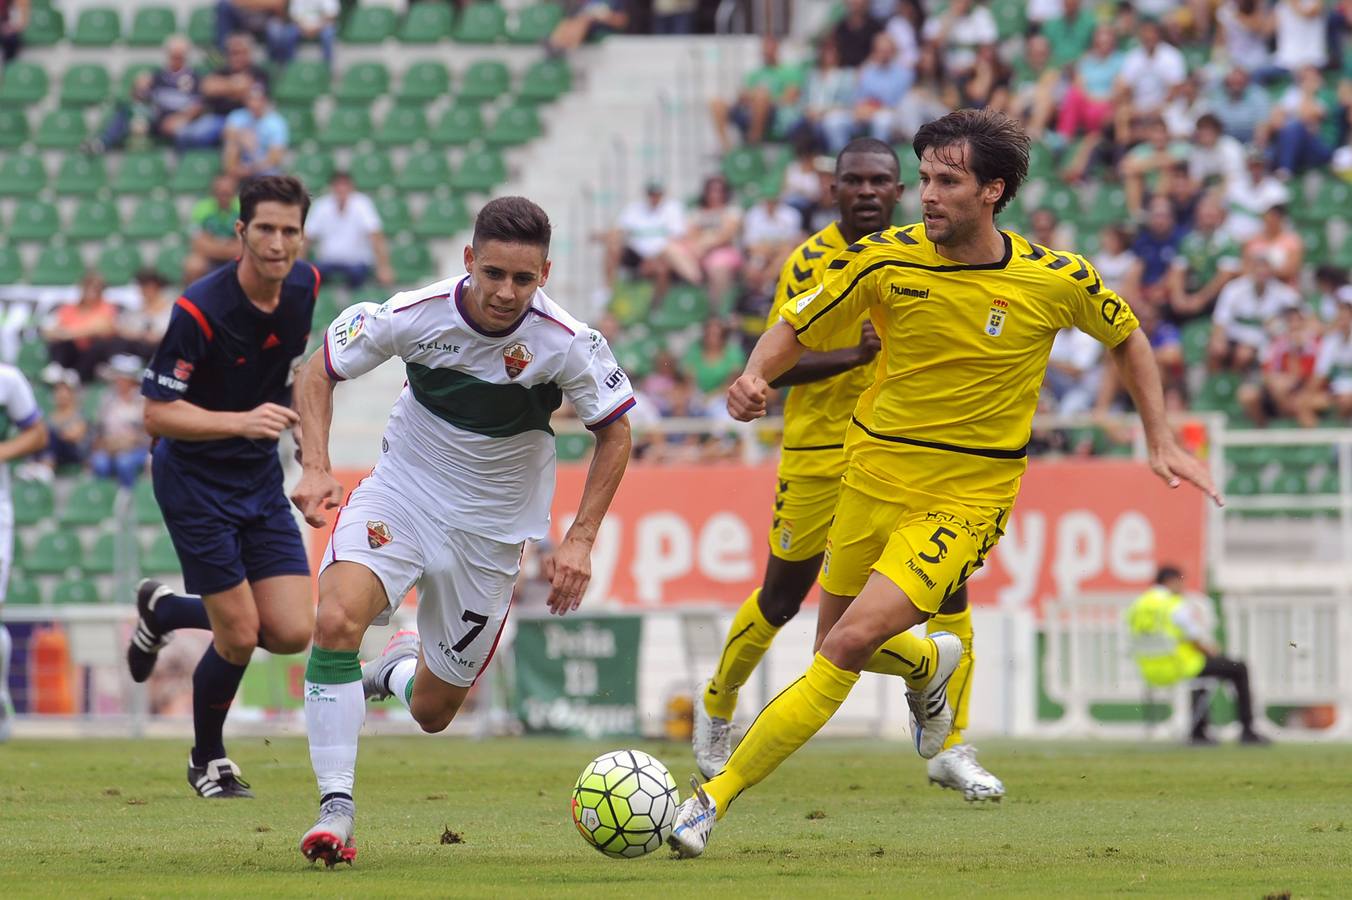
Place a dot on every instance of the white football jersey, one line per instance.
(468, 441)
(18, 408)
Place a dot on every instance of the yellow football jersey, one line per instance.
(964, 353)
(817, 414)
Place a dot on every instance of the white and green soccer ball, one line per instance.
(624, 803)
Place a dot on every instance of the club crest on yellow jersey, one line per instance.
(995, 322)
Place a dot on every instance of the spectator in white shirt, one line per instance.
(1300, 34)
(958, 32)
(1153, 70)
(1332, 386)
(349, 235)
(1245, 310)
(642, 237)
(770, 231)
(1074, 372)
(1216, 159)
(305, 20)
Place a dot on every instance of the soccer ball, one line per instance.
(624, 803)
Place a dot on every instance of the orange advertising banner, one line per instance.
(697, 534)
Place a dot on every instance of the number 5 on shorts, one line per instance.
(478, 622)
(941, 549)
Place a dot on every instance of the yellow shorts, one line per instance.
(803, 511)
(926, 545)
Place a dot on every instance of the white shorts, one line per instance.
(464, 581)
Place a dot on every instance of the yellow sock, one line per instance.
(748, 639)
(960, 685)
(785, 724)
(910, 657)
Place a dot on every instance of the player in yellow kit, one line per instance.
(938, 444)
(826, 384)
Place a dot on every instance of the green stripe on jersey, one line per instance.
(493, 410)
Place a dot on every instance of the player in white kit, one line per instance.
(465, 478)
(20, 411)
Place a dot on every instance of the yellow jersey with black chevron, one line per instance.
(816, 414)
(964, 353)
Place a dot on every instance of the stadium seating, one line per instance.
(160, 558)
(80, 175)
(346, 126)
(194, 171)
(57, 264)
(102, 556)
(485, 80)
(22, 175)
(442, 217)
(86, 84)
(90, 503)
(534, 23)
(54, 553)
(426, 23)
(34, 220)
(13, 128)
(75, 590)
(23, 591)
(202, 26)
(423, 81)
(362, 83)
(302, 81)
(94, 220)
(369, 25)
(458, 126)
(153, 218)
(32, 500)
(481, 23)
(151, 25)
(61, 129)
(46, 26)
(118, 262)
(372, 171)
(96, 27)
(480, 171)
(23, 85)
(424, 171)
(141, 172)
(402, 125)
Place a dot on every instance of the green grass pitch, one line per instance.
(102, 818)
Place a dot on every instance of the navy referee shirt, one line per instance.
(220, 352)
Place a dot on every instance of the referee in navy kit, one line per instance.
(218, 396)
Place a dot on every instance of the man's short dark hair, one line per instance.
(512, 220)
(998, 146)
(284, 189)
(1167, 573)
(863, 145)
(1210, 120)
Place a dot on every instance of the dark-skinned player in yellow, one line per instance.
(937, 445)
(826, 384)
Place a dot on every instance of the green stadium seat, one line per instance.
(160, 558)
(460, 125)
(1041, 161)
(485, 80)
(194, 172)
(742, 166)
(481, 23)
(32, 359)
(153, 218)
(535, 23)
(89, 503)
(13, 128)
(57, 264)
(1219, 393)
(55, 553)
(151, 25)
(1243, 484)
(313, 169)
(34, 220)
(369, 25)
(546, 80)
(144, 505)
(631, 300)
(202, 25)
(32, 499)
(46, 26)
(514, 126)
(22, 591)
(1061, 199)
(426, 23)
(302, 81)
(85, 84)
(61, 129)
(75, 590)
(1010, 18)
(411, 261)
(480, 171)
(300, 122)
(11, 266)
(443, 216)
(424, 171)
(402, 125)
(363, 82)
(96, 27)
(347, 125)
(393, 212)
(93, 397)
(1196, 335)
(95, 219)
(22, 175)
(423, 82)
(573, 447)
(81, 176)
(169, 261)
(372, 171)
(684, 305)
(141, 173)
(102, 557)
(23, 85)
(118, 263)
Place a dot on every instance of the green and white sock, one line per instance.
(335, 709)
(401, 681)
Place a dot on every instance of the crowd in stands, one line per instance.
(1196, 152)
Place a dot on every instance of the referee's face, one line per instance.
(503, 279)
(272, 239)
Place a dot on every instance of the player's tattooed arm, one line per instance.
(317, 489)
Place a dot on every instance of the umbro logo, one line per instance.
(917, 293)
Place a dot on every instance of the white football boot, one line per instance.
(712, 741)
(694, 820)
(931, 716)
(958, 769)
(330, 838)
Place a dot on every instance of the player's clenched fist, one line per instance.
(747, 397)
(869, 343)
(316, 491)
(268, 420)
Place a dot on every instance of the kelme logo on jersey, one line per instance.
(378, 534)
(515, 359)
(995, 322)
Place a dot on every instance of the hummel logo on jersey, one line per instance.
(515, 359)
(377, 534)
(917, 293)
(272, 341)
